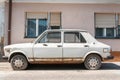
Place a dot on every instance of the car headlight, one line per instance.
(105, 50)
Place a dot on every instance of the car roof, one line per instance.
(80, 30)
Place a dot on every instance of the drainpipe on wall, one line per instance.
(9, 21)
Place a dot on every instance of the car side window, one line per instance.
(73, 37)
(82, 39)
(51, 37)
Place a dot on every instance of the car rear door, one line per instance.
(74, 46)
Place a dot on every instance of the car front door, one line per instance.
(49, 47)
(74, 46)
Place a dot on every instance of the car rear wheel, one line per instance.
(19, 62)
(92, 62)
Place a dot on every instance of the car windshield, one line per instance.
(88, 37)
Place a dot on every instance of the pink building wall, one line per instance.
(79, 16)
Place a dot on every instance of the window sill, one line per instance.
(29, 37)
(107, 37)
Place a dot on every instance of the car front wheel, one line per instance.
(92, 62)
(19, 62)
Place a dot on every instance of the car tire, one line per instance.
(19, 62)
(92, 62)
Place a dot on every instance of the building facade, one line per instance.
(31, 18)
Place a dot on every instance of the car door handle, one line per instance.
(45, 45)
(59, 45)
(86, 45)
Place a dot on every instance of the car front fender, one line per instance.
(17, 52)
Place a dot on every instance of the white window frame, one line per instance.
(37, 22)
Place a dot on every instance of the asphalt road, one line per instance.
(108, 71)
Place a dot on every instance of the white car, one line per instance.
(59, 46)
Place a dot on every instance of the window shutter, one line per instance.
(55, 19)
(105, 20)
(37, 15)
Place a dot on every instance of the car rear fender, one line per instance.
(93, 52)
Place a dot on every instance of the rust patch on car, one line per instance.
(56, 60)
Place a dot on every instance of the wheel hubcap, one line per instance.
(93, 62)
(18, 63)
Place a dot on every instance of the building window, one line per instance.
(118, 26)
(110, 32)
(106, 25)
(99, 32)
(42, 25)
(38, 22)
(36, 27)
(118, 30)
(31, 30)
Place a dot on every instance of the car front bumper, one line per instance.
(4, 57)
(109, 57)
